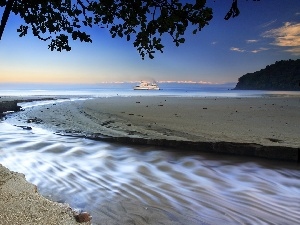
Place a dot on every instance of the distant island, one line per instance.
(284, 75)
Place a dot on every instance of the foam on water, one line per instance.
(144, 185)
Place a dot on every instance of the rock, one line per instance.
(34, 120)
(83, 217)
(9, 106)
(25, 127)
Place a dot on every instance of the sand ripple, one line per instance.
(142, 185)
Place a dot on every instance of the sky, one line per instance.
(266, 31)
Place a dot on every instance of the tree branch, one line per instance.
(5, 16)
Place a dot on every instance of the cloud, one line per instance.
(259, 50)
(252, 51)
(214, 43)
(297, 14)
(294, 51)
(286, 36)
(251, 41)
(236, 49)
(268, 23)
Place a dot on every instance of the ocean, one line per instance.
(125, 184)
(126, 89)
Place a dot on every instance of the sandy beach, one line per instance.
(269, 121)
(22, 204)
(265, 121)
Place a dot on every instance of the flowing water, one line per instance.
(121, 184)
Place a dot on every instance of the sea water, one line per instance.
(126, 89)
(124, 184)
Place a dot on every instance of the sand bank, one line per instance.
(22, 204)
(266, 127)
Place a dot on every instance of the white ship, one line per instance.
(146, 86)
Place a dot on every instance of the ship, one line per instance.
(147, 86)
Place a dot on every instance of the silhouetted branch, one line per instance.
(143, 20)
(234, 11)
(5, 16)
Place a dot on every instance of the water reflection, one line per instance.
(125, 185)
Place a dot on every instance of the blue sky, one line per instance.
(266, 31)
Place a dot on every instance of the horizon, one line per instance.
(221, 53)
(125, 82)
(77, 86)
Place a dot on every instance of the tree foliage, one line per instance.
(142, 21)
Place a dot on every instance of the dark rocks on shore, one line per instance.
(25, 127)
(7, 106)
(34, 120)
(12, 106)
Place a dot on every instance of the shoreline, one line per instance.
(228, 148)
(21, 201)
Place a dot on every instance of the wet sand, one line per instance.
(269, 121)
(266, 121)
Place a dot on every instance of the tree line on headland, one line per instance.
(283, 75)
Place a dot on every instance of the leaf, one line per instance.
(181, 40)
(120, 34)
(151, 56)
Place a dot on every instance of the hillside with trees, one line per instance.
(284, 75)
